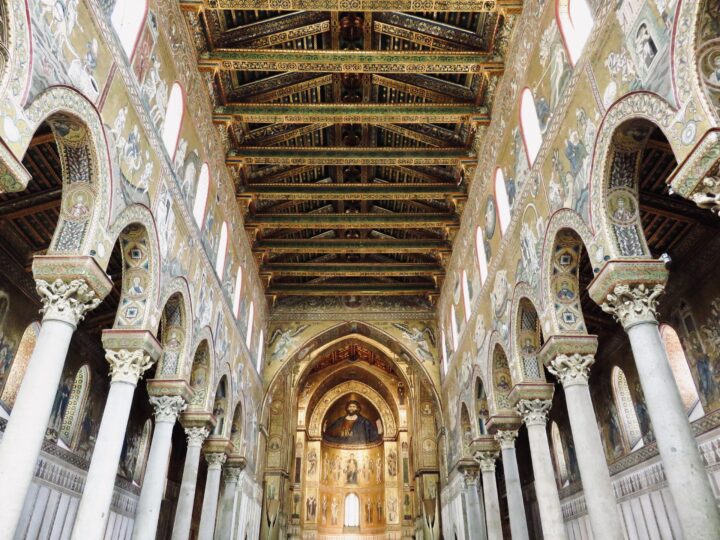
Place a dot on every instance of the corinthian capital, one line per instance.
(167, 408)
(633, 304)
(66, 301)
(534, 411)
(572, 368)
(196, 435)
(709, 196)
(127, 366)
(232, 474)
(215, 460)
(486, 460)
(506, 438)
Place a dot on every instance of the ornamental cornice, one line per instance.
(167, 408)
(335, 393)
(572, 369)
(534, 411)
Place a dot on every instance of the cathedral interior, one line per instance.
(316, 270)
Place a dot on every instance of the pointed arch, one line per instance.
(502, 380)
(481, 406)
(127, 19)
(201, 376)
(481, 254)
(352, 510)
(260, 351)
(220, 407)
(19, 364)
(173, 334)
(632, 436)
(530, 125)
(467, 305)
(501, 198)
(454, 327)
(201, 195)
(174, 114)
(575, 21)
(237, 292)
(249, 329)
(75, 411)
(222, 251)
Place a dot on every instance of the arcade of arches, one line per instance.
(311, 269)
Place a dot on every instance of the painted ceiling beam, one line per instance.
(426, 32)
(341, 245)
(415, 135)
(270, 32)
(355, 269)
(351, 113)
(361, 156)
(352, 192)
(511, 6)
(327, 61)
(280, 86)
(288, 135)
(353, 221)
(357, 289)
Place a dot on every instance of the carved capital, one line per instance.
(215, 460)
(534, 411)
(486, 460)
(572, 369)
(633, 304)
(196, 435)
(232, 474)
(708, 197)
(167, 408)
(506, 438)
(66, 301)
(127, 366)
(470, 476)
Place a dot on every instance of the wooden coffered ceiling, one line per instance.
(351, 130)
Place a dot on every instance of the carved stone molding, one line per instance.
(486, 460)
(66, 301)
(708, 196)
(127, 366)
(534, 411)
(633, 304)
(167, 408)
(506, 438)
(572, 369)
(196, 435)
(215, 460)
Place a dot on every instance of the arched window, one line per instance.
(222, 251)
(443, 337)
(238, 290)
(681, 371)
(481, 255)
(201, 195)
(19, 364)
(260, 350)
(501, 198)
(626, 410)
(559, 452)
(72, 420)
(251, 316)
(575, 21)
(173, 119)
(352, 510)
(143, 452)
(466, 294)
(454, 329)
(530, 125)
(127, 19)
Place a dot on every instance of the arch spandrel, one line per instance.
(329, 398)
(524, 346)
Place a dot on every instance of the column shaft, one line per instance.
(476, 525)
(186, 500)
(28, 422)
(513, 488)
(599, 494)
(227, 510)
(545, 486)
(684, 469)
(210, 498)
(94, 506)
(492, 505)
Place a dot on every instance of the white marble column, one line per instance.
(64, 306)
(635, 308)
(167, 409)
(475, 520)
(183, 513)
(534, 413)
(513, 488)
(126, 368)
(490, 495)
(225, 531)
(215, 462)
(573, 372)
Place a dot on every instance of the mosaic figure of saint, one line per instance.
(353, 428)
